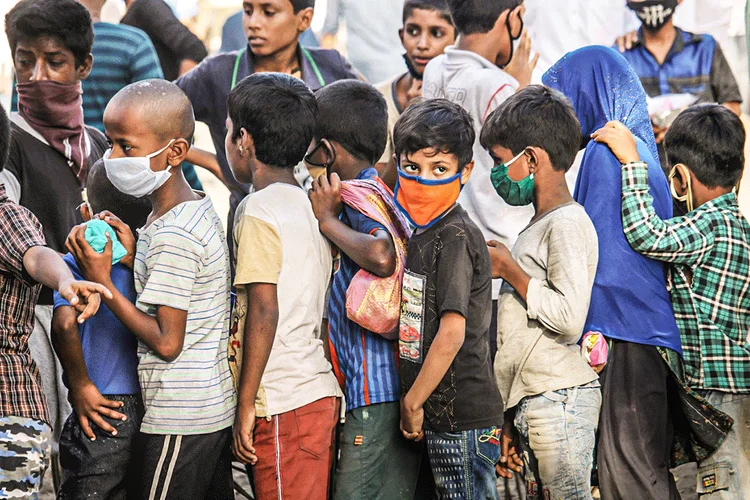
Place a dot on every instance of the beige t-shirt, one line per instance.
(279, 243)
(388, 89)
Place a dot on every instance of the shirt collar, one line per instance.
(454, 55)
(308, 73)
(681, 40)
(368, 173)
(728, 200)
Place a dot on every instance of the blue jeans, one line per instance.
(557, 432)
(463, 463)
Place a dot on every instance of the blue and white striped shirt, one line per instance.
(182, 262)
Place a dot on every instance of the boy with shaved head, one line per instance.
(181, 315)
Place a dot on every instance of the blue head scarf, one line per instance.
(630, 300)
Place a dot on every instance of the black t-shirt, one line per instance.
(49, 188)
(448, 269)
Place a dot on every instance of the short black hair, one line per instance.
(299, 5)
(354, 114)
(435, 124)
(279, 112)
(440, 6)
(710, 140)
(65, 20)
(4, 137)
(536, 116)
(102, 195)
(478, 16)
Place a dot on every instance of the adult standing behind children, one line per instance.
(51, 148)
(470, 74)
(427, 30)
(273, 28)
(181, 315)
(629, 302)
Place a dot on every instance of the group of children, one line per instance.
(441, 319)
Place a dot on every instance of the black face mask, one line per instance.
(513, 39)
(653, 13)
(412, 70)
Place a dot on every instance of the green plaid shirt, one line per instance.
(709, 250)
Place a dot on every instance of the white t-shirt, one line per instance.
(279, 243)
(182, 262)
(478, 86)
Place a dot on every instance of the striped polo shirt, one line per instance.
(182, 262)
(364, 362)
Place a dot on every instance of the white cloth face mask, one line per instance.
(133, 175)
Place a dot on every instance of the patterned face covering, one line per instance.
(653, 13)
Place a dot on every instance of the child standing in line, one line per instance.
(709, 253)
(25, 265)
(100, 365)
(551, 394)
(181, 315)
(450, 395)
(478, 74)
(288, 396)
(351, 133)
(428, 29)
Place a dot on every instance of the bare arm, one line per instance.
(46, 266)
(448, 341)
(260, 331)
(374, 252)
(207, 161)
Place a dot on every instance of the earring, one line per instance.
(242, 151)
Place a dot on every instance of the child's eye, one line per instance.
(440, 170)
(269, 13)
(412, 31)
(410, 168)
(438, 33)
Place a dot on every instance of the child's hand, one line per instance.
(124, 235)
(84, 296)
(326, 198)
(94, 266)
(412, 422)
(500, 257)
(620, 140)
(242, 430)
(90, 405)
(509, 460)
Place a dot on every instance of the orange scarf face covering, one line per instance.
(425, 201)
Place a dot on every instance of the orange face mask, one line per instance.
(425, 201)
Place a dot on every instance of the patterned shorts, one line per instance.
(24, 456)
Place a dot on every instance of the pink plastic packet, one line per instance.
(594, 349)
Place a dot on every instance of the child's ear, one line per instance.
(304, 18)
(85, 69)
(178, 152)
(401, 35)
(246, 142)
(466, 172)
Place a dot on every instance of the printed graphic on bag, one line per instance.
(412, 317)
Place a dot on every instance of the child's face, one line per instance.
(128, 137)
(46, 58)
(431, 165)
(518, 170)
(425, 35)
(238, 155)
(272, 25)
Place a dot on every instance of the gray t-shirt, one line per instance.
(537, 348)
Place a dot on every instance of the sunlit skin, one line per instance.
(425, 35)
(518, 170)
(46, 59)
(272, 28)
